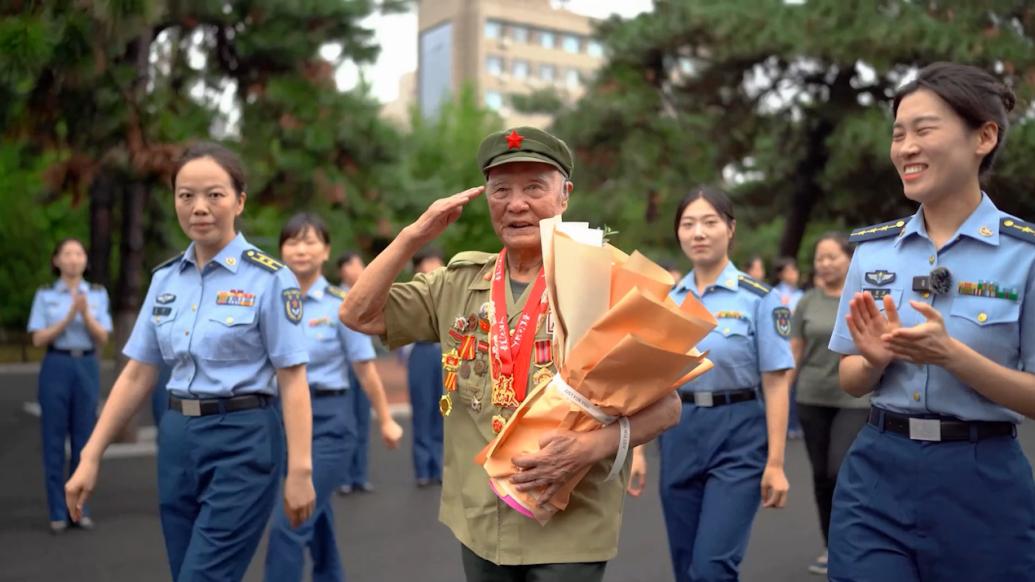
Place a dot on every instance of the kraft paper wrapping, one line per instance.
(619, 341)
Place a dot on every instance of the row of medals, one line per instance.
(471, 355)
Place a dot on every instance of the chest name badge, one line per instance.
(161, 311)
(235, 297)
(880, 277)
(877, 293)
(165, 298)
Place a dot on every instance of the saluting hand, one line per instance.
(299, 497)
(868, 326)
(441, 214)
(927, 343)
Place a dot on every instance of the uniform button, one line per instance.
(229, 320)
(726, 330)
(931, 259)
(185, 332)
(916, 396)
(194, 307)
(982, 317)
(925, 294)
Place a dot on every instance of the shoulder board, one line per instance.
(263, 260)
(337, 292)
(883, 230)
(754, 286)
(96, 287)
(1017, 228)
(470, 258)
(167, 262)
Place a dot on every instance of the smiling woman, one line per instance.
(937, 322)
(225, 317)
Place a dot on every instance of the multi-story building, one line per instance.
(502, 48)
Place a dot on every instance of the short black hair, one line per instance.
(719, 200)
(222, 155)
(301, 223)
(974, 94)
(57, 251)
(347, 257)
(425, 254)
(838, 237)
(782, 263)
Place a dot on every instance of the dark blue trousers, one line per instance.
(424, 375)
(285, 556)
(68, 392)
(356, 461)
(711, 471)
(911, 511)
(218, 480)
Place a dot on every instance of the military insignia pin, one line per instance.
(782, 321)
(293, 304)
(879, 278)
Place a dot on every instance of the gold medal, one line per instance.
(445, 405)
(542, 375)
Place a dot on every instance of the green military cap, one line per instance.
(525, 144)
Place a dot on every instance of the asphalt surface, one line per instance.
(389, 535)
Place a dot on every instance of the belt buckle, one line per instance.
(925, 429)
(705, 399)
(190, 407)
(75, 353)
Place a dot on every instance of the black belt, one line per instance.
(194, 407)
(709, 399)
(325, 392)
(73, 353)
(938, 429)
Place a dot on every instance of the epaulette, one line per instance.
(262, 259)
(167, 262)
(470, 258)
(1017, 228)
(883, 230)
(754, 286)
(96, 287)
(337, 292)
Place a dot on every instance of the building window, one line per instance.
(493, 29)
(571, 78)
(494, 65)
(547, 73)
(519, 33)
(571, 43)
(547, 39)
(494, 100)
(520, 69)
(595, 49)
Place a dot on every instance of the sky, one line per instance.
(397, 35)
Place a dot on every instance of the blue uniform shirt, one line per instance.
(51, 305)
(984, 249)
(331, 345)
(223, 330)
(789, 296)
(751, 335)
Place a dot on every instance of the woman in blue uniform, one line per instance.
(305, 245)
(71, 318)
(718, 463)
(937, 324)
(227, 318)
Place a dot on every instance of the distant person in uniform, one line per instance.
(71, 318)
(528, 178)
(424, 377)
(756, 268)
(305, 244)
(227, 318)
(937, 324)
(788, 277)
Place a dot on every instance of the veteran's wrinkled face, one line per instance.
(520, 194)
(704, 234)
(934, 150)
(207, 203)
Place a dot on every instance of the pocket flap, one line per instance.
(232, 318)
(985, 310)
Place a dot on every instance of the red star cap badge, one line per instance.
(514, 140)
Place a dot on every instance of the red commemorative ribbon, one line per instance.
(513, 353)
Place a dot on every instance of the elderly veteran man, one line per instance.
(478, 295)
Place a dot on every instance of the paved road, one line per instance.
(388, 535)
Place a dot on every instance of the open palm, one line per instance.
(867, 325)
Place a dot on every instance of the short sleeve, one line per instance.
(280, 317)
(411, 312)
(359, 347)
(774, 351)
(1028, 326)
(798, 318)
(38, 314)
(841, 339)
(103, 315)
(142, 345)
